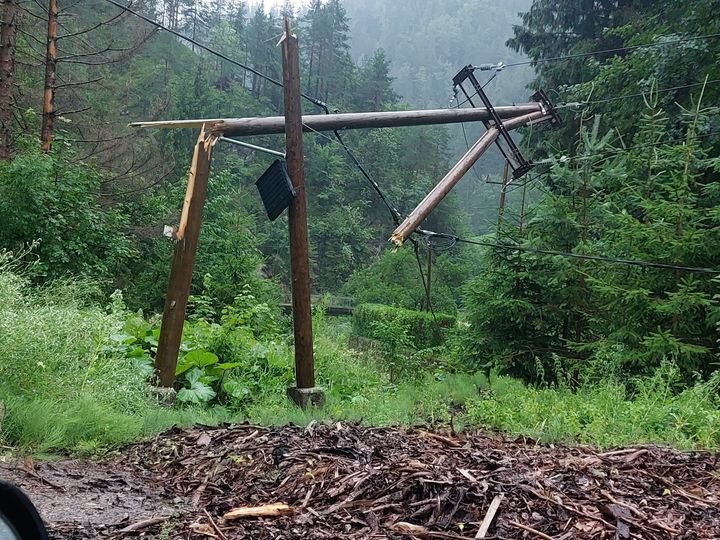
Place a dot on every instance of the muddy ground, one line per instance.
(346, 481)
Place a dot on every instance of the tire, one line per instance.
(18, 516)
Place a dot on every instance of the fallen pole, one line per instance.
(236, 127)
(438, 193)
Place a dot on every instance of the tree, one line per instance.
(375, 85)
(51, 58)
(554, 29)
(8, 36)
(543, 317)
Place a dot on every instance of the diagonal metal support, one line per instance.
(518, 163)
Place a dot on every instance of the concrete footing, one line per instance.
(306, 397)
(164, 396)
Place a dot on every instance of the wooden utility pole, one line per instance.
(186, 236)
(8, 34)
(236, 127)
(48, 114)
(438, 193)
(304, 393)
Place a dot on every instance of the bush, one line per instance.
(424, 330)
(48, 200)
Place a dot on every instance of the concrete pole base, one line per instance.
(306, 397)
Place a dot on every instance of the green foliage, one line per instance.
(553, 28)
(603, 414)
(401, 327)
(50, 201)
(394, 279)
(540, 317)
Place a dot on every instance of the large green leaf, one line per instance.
(197, 393)
(196, 358)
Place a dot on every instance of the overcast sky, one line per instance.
(272, 3)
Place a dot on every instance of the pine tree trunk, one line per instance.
(48, 116)
(8, 34)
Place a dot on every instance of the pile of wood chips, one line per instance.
(348, 481)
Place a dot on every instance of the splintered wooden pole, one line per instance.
(297, 218)
(438, 193)
(186, 236)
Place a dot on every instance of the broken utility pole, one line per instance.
(186, 237)
(304, 392)
(498, 120)
(438, 193)
(237, 127)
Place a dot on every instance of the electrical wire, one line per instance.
(565, 159)
(396, 215)
(598, 258)
(618, 49)
(269, 79)
(632, 96)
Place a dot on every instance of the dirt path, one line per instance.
(344, 481)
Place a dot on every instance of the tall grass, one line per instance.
(606, 414)
(63, 389)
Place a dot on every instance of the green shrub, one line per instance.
(424, 330)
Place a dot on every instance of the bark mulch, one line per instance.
(347, 481)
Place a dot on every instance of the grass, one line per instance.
(64, 391)
(604, 415)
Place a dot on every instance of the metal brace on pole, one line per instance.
(518, 163)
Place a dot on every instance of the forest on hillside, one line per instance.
(596, 281)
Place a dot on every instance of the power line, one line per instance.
(598, 258)
(212, 51)
(565, 159)
(632, 96)
(618, 49)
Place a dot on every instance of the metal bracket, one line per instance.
(519, 165)
(541, 97)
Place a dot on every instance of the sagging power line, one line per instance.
(598, 258)
(615, 50)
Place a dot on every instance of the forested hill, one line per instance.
(427, 42)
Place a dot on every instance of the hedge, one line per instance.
(425, 329)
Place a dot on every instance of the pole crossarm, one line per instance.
(236, 127)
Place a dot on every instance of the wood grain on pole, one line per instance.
(187, 237)
(438, 193)
(236, 127)
(297, 217)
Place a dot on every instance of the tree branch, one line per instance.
(80, 83)
(65, 113)
(92, 53)
(28, 34)
(88, 30)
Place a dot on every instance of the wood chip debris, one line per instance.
(353, 482)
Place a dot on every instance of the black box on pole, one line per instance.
(276, 189)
